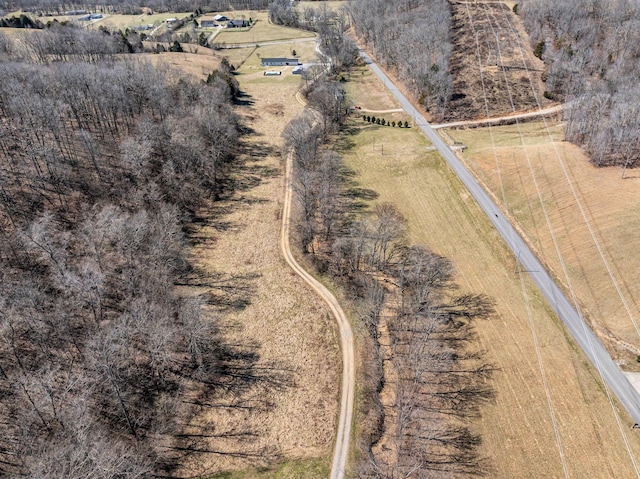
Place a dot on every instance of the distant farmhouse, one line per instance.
(220, 18)
(143, 28)
(208, 23)
(237, 23)
(171, 21)
(92, 16)
(280, 62)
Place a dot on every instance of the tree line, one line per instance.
(130, 7)
(412, 39)
(591, 55)
(412, 318)
(106, 164)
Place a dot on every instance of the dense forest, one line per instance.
(412, 39)
(106, 163)
(592, 52)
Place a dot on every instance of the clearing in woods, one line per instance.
(593, 215)
(537, 425)
(481, 35)
(287, 325)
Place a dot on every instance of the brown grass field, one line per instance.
(362, 87)
(607, 201)
(517, 427)
(286, 322)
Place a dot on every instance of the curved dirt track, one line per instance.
(341, 450)
(503, 118)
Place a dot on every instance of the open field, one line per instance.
(305, 51)
(286, 323)
(608, 203)
(546, 410)
(121, 22)
(362, 89)
(261, 31)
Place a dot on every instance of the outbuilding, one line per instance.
(280, 62)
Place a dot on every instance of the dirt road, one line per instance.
(341, 450)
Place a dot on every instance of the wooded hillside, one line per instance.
(105, 164)
(591, 50)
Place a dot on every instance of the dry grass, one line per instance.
(121, 22)
(363, 89)
(288, 324)
(198, 64)
(609, 203)
(519, 438)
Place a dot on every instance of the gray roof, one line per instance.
(280, 60)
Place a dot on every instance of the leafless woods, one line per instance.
(105, 164)
(411, 38)
(591, 51)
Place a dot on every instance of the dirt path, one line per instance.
(341, 451)
(501, 119)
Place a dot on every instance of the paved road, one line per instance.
(341, 451)
(594, 350)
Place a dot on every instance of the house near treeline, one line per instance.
(237, 23)
(220, 18)
(208, 23)
(280, 62)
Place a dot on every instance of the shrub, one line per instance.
(539, 49)
(406, 124)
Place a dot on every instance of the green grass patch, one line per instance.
(296, 469)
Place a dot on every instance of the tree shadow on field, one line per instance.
(242, 99)
(232, 386)
(222, 291)
(358, 198)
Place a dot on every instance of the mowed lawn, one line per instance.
(550, 186)
(362, 87)
(261, 31)
(517, 427)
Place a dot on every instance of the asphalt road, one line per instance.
(341, 451)
(597, 354)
